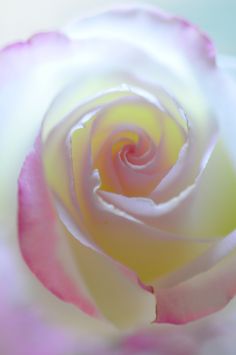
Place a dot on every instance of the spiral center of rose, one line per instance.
(134, 145)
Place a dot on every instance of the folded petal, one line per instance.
(210, 288)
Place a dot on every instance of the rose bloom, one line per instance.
(117, 172)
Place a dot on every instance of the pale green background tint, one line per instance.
(20, 18)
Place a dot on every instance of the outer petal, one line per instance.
(40, 235)
(212, 287)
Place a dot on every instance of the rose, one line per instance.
(90, 193)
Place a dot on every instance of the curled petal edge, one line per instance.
(210, 287)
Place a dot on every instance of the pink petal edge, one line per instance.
(39, 234)
(203, 294)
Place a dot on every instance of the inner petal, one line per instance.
(136, 142)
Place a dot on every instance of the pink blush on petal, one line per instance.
(39, 235)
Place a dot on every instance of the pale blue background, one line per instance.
(217, 17)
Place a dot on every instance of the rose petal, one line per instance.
(205, 293)
(40, 236)
(121, 301)
(127, 114)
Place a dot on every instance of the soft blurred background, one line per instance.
(20, 18)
